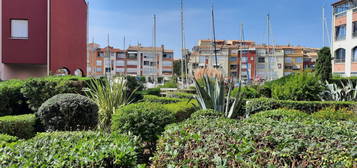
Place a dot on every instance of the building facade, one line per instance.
(344, 38)
(134, 61)
(42, 37)
(250, 62)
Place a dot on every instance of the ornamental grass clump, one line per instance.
(109, 95)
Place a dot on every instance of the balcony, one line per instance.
(339, 60)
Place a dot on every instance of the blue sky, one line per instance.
(295, 22)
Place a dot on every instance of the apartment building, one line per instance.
(135, 61)
(344, 42)
(269, 62)
(258, 62)
(42, 37)
(228, 53)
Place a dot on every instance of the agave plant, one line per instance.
(347, 92)
(109, 95)
(212, 96)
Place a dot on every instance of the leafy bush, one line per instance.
(72, 149)
(206, 114)
(257, 142)
(180, 95)
(146, 120)
(162, 100)
(281, 115)
(248, 92)
(331, 113)
(345, 92)
(182, 110)
(152, 91)
(11, 99)
(5, 139)
(299, 87)
(169, 84)
(264, 91)
(68, 112)
(22, 126)
(135, 86)
(263, 104)
(38, 90)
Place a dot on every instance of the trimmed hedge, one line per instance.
(258, 142)
(182, 110)
(68, 112)
(263, 104)
(206, 114)
(151, 91)
(331, 113)
(5, 139)
(146, 120)
(162, 100)
(22, 126)
(180, 95)
(38, 90)
(11, 99)
(72, 149)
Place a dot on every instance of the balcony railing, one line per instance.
(340, 60)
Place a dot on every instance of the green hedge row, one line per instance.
(162, 100)
(264, 104)
(182, 110)
(279, 138)
(24, 97)
(72, 149)
(180, 95)
(5, 139)
(12, 100)
(22, 126)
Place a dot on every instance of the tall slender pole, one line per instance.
(108, 57)
(214, 37)
(183, 61)
(240, 53)
(268, 48)
(323, 26)
(155, 52)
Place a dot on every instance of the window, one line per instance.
(289, 51)
(299, 60)
(146, 63)
(260, 66)
(233, 59)
(168, 55)
(167, 63)
(341, 8)
(244, 59)
(98, 69)
(340, 32)
(132, 63)
(354, 54)
(99, 63)
(340, 55)
(120, 63)
(261, 60)
(19, 29)
(287, 60)
(202, 59)
(354, 29)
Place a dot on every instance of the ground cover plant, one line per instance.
(279, 138)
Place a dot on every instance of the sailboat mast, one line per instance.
(183, 52)
(268, 47)
(214, 37)
(240, 53)
(155, 52)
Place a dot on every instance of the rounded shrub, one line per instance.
(68, 112)
(146, 120)
(206, 114)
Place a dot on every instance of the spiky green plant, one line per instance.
(211, 95)
(109, 95)
(347, 92)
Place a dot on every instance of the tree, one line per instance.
(324, 64)
(177, 67)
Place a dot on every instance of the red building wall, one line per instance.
(68, 35)
(34, 49)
